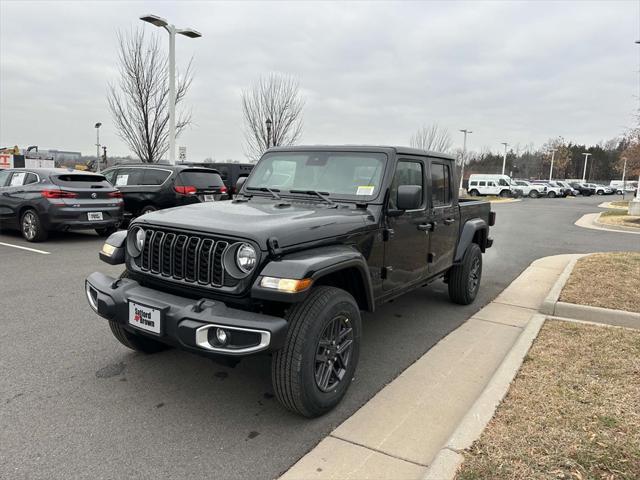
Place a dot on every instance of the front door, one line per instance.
(407, 246)
(445, 217)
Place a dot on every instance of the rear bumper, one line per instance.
(69, 217)
(186, 323)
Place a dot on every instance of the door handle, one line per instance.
(427, 227)
(449, 221)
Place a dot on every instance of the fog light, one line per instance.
(221, 336)
(288, 285)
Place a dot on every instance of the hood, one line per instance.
(260, 219)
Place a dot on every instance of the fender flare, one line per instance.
(466, 236)
(314, 263)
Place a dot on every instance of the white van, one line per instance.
(499, 185)
(629, 186)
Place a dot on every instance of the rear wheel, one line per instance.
(147, 209)
(313, 371)
(464, 279)
(32, 228)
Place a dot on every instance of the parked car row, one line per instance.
(37, 201)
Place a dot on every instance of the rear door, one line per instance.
(444, 215)
(406, 251)
(129, 181)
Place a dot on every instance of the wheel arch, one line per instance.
(475, 230)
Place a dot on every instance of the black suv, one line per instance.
(230, 172)
(315, 235)
(38, 200)
(146, 188)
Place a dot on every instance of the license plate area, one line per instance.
(208, 198)
(145, 318)
(94, 216)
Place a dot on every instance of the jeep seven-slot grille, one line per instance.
(187, 258)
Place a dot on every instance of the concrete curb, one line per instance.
(509, 200)
(608, 205)
(606, 316)
(618, 228)
(590, 221)
(449, 459)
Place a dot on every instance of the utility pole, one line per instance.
(586, 159)
(504, 158)
(553, 155)
(98, 125)
(464, 154)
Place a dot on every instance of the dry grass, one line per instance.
(573, 411)
(619, 218)
(621, 204)
(607, 280)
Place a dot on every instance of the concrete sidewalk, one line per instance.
(398, 433)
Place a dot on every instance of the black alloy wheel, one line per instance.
(333, 353)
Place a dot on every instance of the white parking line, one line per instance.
(25, 248)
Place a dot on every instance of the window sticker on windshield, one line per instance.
(17, 179)
(365, 190)
(121, 180)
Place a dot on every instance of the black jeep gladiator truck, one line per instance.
(315, 236)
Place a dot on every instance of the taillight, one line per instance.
(223, 189)
(185, 190)
(116, 194)
(58, 194)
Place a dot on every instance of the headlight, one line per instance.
(246, 257)
(135, 241)
(140, 234)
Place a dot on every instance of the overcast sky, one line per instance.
(370, 72)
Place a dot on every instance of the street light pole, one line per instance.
(268, 123)
(464, 154)
(504, 158)
(97, 126)
(553, 156)
(586, 159)
(172, 30)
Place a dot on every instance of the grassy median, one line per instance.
(619, 217)
(607, 280)
(573, 411)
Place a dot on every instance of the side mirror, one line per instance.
(409, 197)
(240, 183)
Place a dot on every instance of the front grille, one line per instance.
(185, 258)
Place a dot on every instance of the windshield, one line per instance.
(351, 175)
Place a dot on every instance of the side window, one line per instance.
(30, 178)
(153, 176)
(440, 185)
(4, 176)
(111, 175)
(17, 179)
(129, 177)
(473, 184)
(503, 182)
(407, 173)
(482, 184)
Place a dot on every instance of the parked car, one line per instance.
(628, 186)
(146, 188)
(529, 189)
(583, 189)
(230, 172)
(603, 189)
(565, 191)
(39, 200)
(289, 264)
(550, 190)
(571, 191)
(499, 185)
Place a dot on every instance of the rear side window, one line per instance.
(199, 179)
(154, 176)
(128, 177)
(80, 181)
(30, 178)
(110, 175)
(440, 185)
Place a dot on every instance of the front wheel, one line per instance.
(314, 369)
(534, 194)
(505, 193)
(552, 195)
(464, 279)
(474, 193)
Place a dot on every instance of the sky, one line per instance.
(370, 72)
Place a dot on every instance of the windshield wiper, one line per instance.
(266, 189)
(321, 195)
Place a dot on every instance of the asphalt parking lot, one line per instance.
(74, 403)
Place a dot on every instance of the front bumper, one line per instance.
(186, 323)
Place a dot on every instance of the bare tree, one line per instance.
(277, 98)
(139, 101)
(432, 137)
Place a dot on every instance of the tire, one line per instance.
(505, 193)
(464, 279)
(552, 195)
(600, 192)
(133, 341)
(298, 376)
(105, 232)
(474, 193)
(31, 227)
(148, 209)
(534, 194)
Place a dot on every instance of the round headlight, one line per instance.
(140, 235)
(246, 257)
